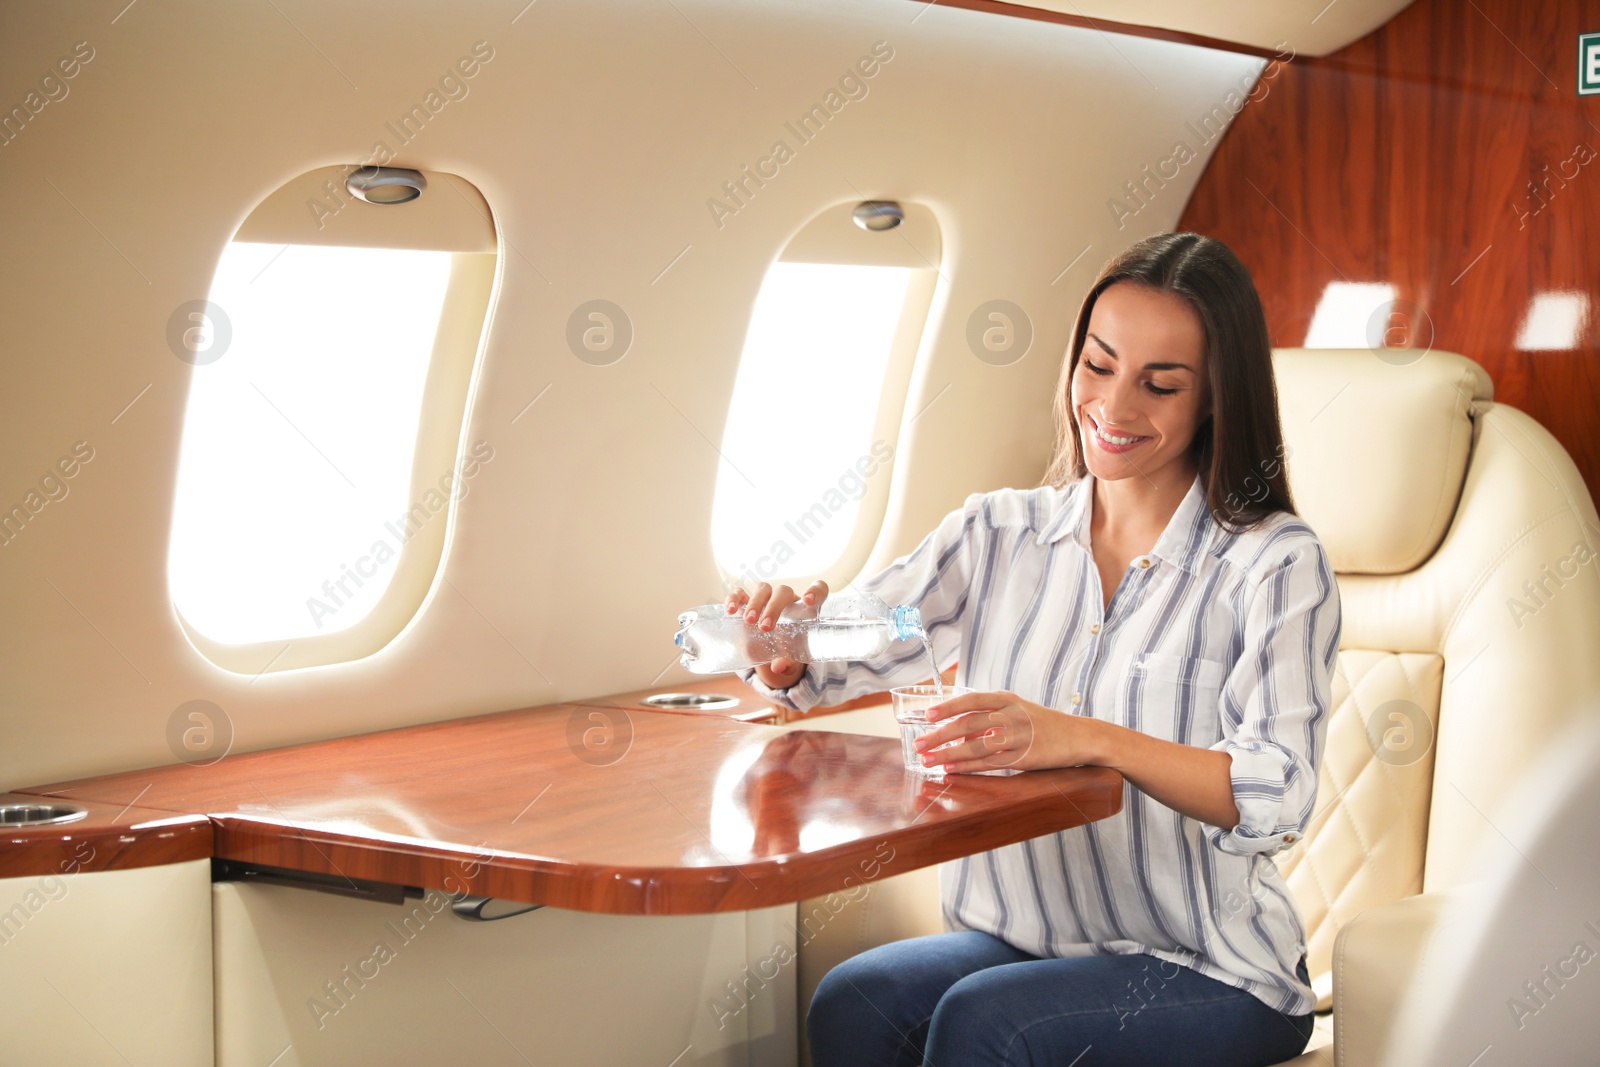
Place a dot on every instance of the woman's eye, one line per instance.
(1102, 371)
(1158, 391)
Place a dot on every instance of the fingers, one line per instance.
(958, 729)
(984, 739)
(757, 601)
(969, 755)
(781, 598)
(767, 602)
(781, 673)
(762, 608)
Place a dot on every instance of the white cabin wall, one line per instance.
(596, 133)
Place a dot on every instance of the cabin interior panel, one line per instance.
(598, 151)
(331, 979)
(108, 966)
(1449, 155)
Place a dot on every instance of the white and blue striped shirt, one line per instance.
(1223, 641)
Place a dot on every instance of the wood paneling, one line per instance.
(1440, 154)
(112, 837)
(656, 814)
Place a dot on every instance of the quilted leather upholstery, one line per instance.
(1367, 837)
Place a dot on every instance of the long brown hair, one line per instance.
(1239, 447)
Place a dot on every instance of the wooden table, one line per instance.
(738, 701)
(605, 808)
(110, 837)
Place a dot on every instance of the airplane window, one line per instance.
(322, 459)
(818, 399)
(799, 441)
(298, 442)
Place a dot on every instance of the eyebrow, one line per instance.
(1148, 366)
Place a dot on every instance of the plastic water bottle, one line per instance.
(854, 627)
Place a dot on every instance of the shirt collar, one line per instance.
(1188, 535)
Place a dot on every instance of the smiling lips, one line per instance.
(1112, 442)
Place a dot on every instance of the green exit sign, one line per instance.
(1588, 64)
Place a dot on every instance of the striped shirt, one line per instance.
(1218, 640)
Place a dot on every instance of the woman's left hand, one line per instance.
(1000, 729)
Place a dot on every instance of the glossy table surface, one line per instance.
(606, 810)
(747, 704)
(108, 837)
(731, 699)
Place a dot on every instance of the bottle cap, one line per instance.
(907, 622)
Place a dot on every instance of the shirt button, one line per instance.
(1077, 698)
(1144, 564)
(1095, 628)
(1288, 837)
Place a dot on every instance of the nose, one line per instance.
(1119, 402)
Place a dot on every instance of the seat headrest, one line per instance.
(1377, 449)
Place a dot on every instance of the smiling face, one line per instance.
(1140, 389)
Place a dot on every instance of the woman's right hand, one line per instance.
(763, 608)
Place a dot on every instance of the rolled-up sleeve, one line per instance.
(935, 579)
(1276, 700)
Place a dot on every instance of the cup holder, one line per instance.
(20, 811)
(692, 701)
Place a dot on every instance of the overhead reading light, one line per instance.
(877, 214)
(386, 185)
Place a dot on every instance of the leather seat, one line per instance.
(1468, 556)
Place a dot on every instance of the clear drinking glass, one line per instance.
(911, 704)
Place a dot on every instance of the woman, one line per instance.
(1156, 607)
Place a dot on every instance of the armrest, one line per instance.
(1505, 961)
(1376, 958)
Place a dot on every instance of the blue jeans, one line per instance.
(966, 999)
